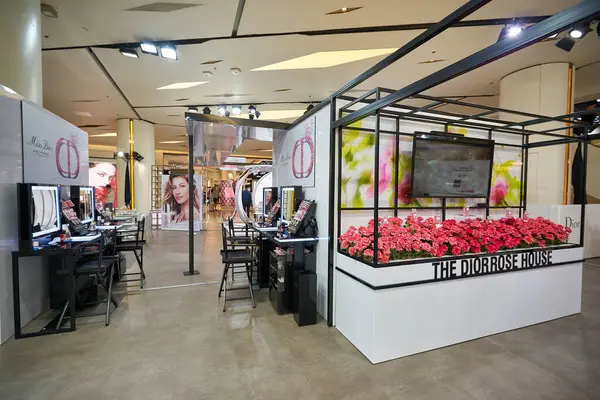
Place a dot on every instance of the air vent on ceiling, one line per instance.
(226, 95)
(163, 7)
(211, 62)
(343, 10)
(173, 115)
(183, 99)
(85, 101)
(282, 90)
(90, 126)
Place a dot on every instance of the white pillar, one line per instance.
(21, 43)
(144, 144)
(544, 90)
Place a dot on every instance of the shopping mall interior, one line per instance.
(266, 199)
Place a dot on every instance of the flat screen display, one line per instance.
(46, 211)
(451, 166)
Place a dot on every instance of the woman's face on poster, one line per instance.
(181, 190)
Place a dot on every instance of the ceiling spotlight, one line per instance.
(553, 36)
(510, 31)
(168, 51)
(49, 11)
(251, 112)
(257, 114)
(310, 107)
(236, 110)
(207, 74)
(137, 156)
(565, 43)
(129, 52)
(236, 71)
(120, 154)
(514, 30)
(579, 31)
(149, 48)
(206, 110)
(193, 109)
(221, 110)
(227, 113)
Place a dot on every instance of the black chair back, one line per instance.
(141, 231)
(224, 236)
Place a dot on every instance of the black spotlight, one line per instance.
(206, 110)
(510, 31)
(598, 30)
(252, 112)
(137, 156)
(566, 43)
(579, 31)
(310, 107)
(121, 154)
(193, 109)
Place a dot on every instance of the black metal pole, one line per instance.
(397, 165)
(192, 188)
(376, 189)
(331, 245)
(583, 191)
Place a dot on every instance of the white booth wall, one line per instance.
(20, 162)
(319, 192)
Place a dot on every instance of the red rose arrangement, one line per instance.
(418, 237)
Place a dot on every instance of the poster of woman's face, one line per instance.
(176, 201)
(101, 175)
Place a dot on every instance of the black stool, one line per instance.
(233, 259)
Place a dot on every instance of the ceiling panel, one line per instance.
(89, 22)
(306, 15)
(73, 84)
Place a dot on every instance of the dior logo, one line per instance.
(305, 144)
(67, 158)
(571, 223)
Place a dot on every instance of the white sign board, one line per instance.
(54, 151)
(295, 155)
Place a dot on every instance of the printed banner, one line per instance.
(103, 177)
(176, 200)
(54, 151)
(296, 155)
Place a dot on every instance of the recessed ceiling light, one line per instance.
(172, 141)
(207, 74)
(478, 121)
(431, 61)
(325, 59)
(235, 71)
(82, 113)
(110, 134)
(343, 10)
(149, 48)
(443, 116)
(49, 11)
(181, 85)
(236, 110)
(129, 52)
(168, 51)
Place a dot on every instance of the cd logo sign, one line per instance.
(67, 158)
(302, 148)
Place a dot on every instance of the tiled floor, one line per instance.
(178, 344)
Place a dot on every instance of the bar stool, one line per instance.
(233, 259)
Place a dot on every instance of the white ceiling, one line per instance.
(72, 75)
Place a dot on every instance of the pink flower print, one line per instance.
(498, 191)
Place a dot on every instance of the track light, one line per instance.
(221, 110)
(579, 31)
(310, 107)
(149, 48)
(129, 52)
(120, 154)
(137, 156)
(206, 110)
(566, 43)
(193, 109)
(236, 110)
(168, 51)
(252, 112)
(510, 31)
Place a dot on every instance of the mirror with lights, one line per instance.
(291, 196)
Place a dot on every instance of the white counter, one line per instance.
(392, 312)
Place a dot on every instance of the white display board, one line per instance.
(295, 154)
(54, 151)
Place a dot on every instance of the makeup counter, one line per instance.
(62, 224)
(287, 236)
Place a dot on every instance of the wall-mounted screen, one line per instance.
(86, 204)
(446, 165)
(45, 211)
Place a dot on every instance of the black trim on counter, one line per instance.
(424, 282)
